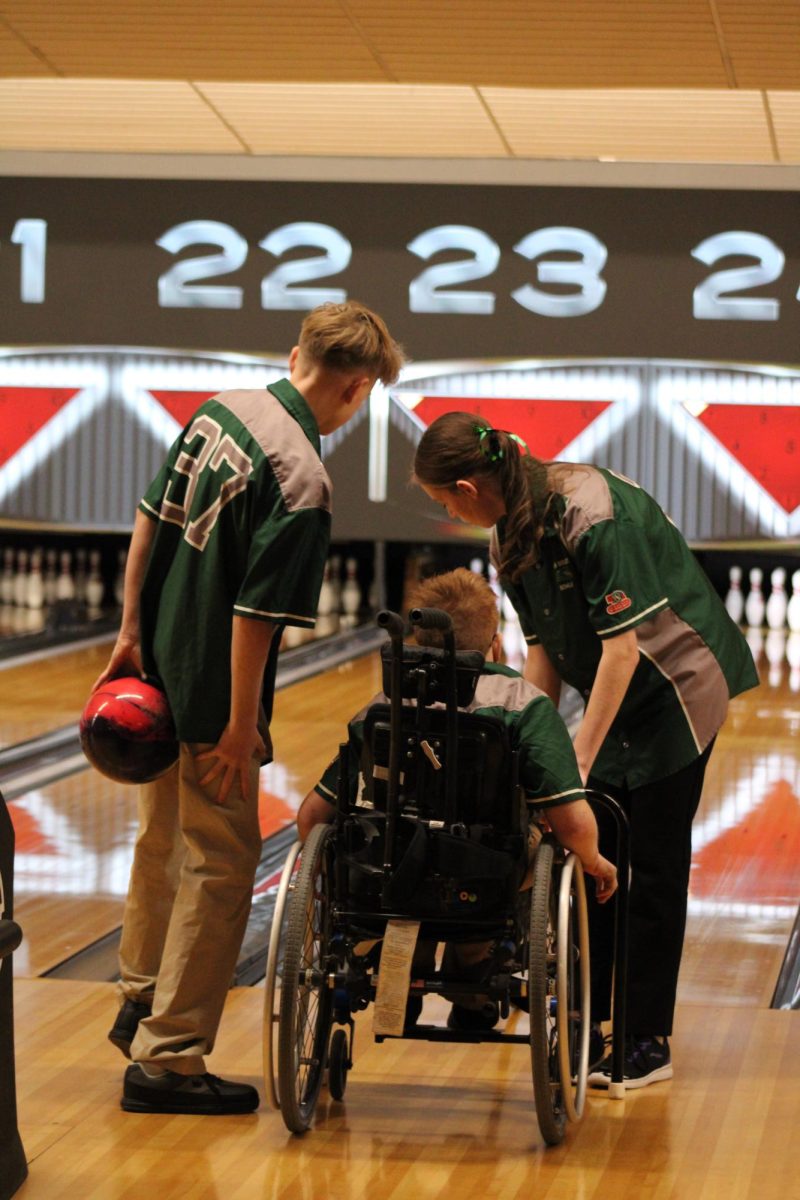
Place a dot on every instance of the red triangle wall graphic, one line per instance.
(546, 425)
(180, 405)
(765, 439)
(23, 412)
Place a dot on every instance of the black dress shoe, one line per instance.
(123, 1031)
(203, 1095)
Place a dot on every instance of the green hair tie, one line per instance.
(492, 449)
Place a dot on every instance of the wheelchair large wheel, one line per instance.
(276, 939)
(306, 999)
(558, 984)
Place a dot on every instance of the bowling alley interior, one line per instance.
(580, 224)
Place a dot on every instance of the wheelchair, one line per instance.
(440, 835)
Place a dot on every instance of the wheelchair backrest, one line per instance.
(486, 791)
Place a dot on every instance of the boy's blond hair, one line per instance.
(350, 337)
(468, 599)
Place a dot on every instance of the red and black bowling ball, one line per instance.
(127, 731)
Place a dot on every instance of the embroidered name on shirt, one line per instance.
(617, 602)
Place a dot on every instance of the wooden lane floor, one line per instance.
(428, 1122)
(74, 837)
(417, 1122)
(745, 883)
(48, 692)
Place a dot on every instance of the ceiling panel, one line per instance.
(543, 43)
(763, 40)
(194, 39)
(470, 77)
(683, 126)
(357, 119)
(785, 109)
(109, 115)
(16, 58)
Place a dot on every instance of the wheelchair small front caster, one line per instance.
(338, 1064)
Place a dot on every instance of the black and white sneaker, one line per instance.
(647, 1060)
(201, 1095)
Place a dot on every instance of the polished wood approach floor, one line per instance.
(418, 1121)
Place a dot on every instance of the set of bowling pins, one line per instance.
(339, 603)
(779, 612)
(36, 579)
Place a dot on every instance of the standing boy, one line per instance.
(228, 546)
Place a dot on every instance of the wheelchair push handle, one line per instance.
(391, 622)
(431, 618)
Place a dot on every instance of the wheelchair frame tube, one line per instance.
(393, 624)
(616, 1089)
(436, 618)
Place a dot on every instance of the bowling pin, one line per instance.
(65, 585)
(754, 605)
(34, 596)
(50, 575)
(336, 581)
(95, 588)
(734, 601)
(793, 658)
(7, 578)
(777, 603)
(793, 608)
(755, 640)
(351, 593)
(119, 578)
(21, 580)
(775, 647)
(325, 604)
(326, 624)
(291, 637)
(79, 575)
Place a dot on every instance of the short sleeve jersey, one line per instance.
(242, 510)
(548, 770)
(610, 561)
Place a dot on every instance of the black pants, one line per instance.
(660, 816)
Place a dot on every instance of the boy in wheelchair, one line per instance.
(547, 769)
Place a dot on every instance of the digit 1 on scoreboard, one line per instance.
(31, 234)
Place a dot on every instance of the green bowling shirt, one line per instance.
(548, 770)
(611, 561)
(242, 510)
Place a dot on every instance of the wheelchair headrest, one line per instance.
(468, 666)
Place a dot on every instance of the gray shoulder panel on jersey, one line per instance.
(298, 470)
(503, 691)
(588, 498)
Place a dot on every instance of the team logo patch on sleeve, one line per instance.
(617, 602)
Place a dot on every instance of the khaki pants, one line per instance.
(188, 902)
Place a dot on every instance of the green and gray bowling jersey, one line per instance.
(242, 507)
(611, 561)
(548, 770)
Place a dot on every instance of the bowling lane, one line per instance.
(47, 693)
(745, 887)
(75, 837)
